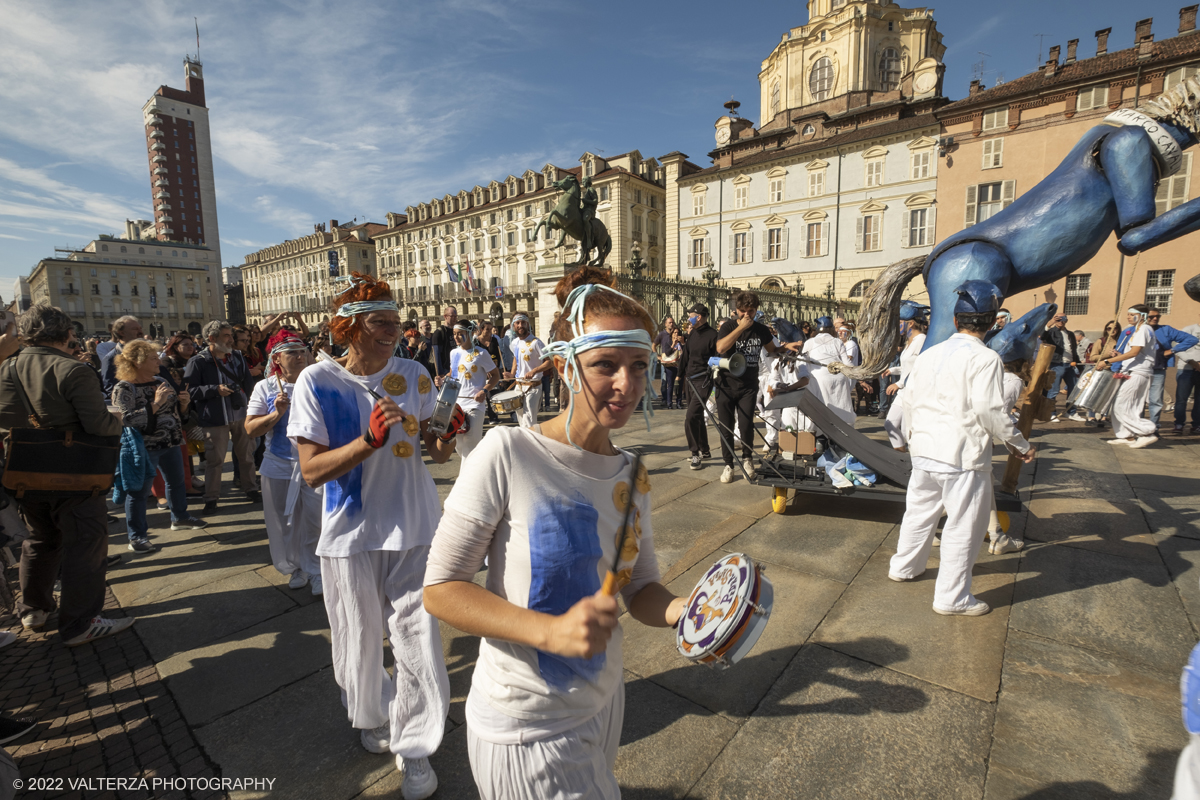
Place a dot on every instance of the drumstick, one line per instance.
(610, 580)
(323, 356)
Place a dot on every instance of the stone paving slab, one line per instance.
(1128, 608)
(1171, 515)
(1083, 723)
(678, 524)
(1106, 526)
(152, 578)
(300, 736)
(801, 601)
(223, 676)
(893, 624)
(1181, 555)
(210, 612)
(836, 727)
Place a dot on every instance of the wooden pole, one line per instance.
(1033, 405)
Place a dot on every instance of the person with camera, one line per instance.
(68, 532)
(219, 382)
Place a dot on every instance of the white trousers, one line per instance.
(1127, 409)
(370, 594)
(773, 419)
(527, 416)
(466, 442)
(574, 765)
(292, 537)
(967, 498)
(894, 424)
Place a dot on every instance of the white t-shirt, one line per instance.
(280, 456)
(556, 514)
(908, 356)
(471, 371)
(527, 355)
(333, 408)
(853, 352)
(1143, 362)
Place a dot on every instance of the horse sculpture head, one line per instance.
(567, 183)
(1020, 339)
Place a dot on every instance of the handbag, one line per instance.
(50, 464)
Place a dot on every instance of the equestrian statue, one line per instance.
(575, 216)
(1106, 184)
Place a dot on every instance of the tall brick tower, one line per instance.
(179, 149)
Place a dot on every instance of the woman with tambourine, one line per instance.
(547, 507)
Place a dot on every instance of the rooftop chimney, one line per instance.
(333, 227)
(1187, 19)
(976, 88)
(1072, 46)
(1054, 52)
(1052, 62)
(1141, 31)
(1102, 41)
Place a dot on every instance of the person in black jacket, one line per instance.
(219, 382)
(701, 345)
(1065, 362)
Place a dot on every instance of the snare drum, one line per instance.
(726, 613)
(443, 409)
(508, 402)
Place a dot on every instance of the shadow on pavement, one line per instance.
(1161, 763)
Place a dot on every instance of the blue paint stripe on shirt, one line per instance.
(341, 424)
(563, 552)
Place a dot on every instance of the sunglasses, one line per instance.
(1154, 316)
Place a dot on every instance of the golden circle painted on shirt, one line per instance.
(402, 449)
(424, 385)
(621, 496)
(643, 480)
(410, 424)
(395, 384)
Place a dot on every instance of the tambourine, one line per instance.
(726, 613)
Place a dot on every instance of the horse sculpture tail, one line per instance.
(879, 319)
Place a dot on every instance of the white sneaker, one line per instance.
(376, 740)
(1118, 441)
(420, 781)
(1077, 417)
(766, 448)
(34, 620)
(748, 466)
(1054, 418)
(1002, 543)
(299, 579)
(937, 541)
(98, 629)
(727, 474)
(314, 582)
(976, 609)
(900, 578)
(1143, 441)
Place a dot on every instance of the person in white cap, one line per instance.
(1135, 372)
(954, 405)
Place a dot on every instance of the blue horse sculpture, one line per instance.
(1106, 184)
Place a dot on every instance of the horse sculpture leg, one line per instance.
(964, 262)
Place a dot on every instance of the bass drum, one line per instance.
(1095, 391)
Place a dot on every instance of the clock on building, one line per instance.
(723, 134)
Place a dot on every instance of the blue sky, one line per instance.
(325, 110)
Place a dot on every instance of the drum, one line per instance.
(508, 402)
(1095, 391)
(447, 398)
(726, 613)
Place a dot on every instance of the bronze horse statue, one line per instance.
(567, 218)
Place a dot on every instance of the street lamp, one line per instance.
(710, 272)
(635, 263)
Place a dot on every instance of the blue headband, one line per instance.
(583, 342)
(366, 307)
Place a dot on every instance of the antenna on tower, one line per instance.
(1039, 37)
(197, 37)
(979, 69)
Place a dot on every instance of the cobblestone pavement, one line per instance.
(102, 710)
(1068, 688)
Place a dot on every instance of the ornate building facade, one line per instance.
(1000, 142)
(301, 275)
(491, 228)
(840, 177)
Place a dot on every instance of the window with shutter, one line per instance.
(1010, 193)
(1178, 76)
(1174, 190)
(1076, 300)
(993, 153)
(698, 204)
(871, 228)
(774, 250)
(858, 234)
(1092, 97)
(988, 201)
(776, 190)
(916, 227)
(875, 172)
(816, 183)
(905, 232)
(995, 118)
(741, 196)
(1160, 284)
(920, 165)
(815, 244)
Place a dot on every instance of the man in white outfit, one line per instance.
(528, 366)
(835, 390)
(953, 406)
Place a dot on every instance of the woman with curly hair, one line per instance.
(359, 422)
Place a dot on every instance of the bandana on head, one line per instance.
(1140, 315)
(283, 341)
(519, 318)
(582, 342)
